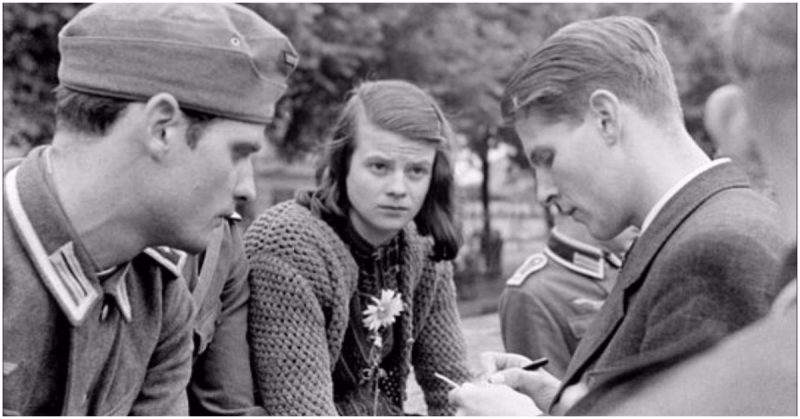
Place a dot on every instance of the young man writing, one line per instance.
(596, 107)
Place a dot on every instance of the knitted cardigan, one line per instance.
(302, 278)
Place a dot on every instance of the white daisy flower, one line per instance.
(385, 310)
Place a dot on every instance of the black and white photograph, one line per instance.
(399, 209)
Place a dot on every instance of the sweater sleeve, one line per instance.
(289, 348)
(440, 345)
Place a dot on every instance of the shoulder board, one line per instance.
(531, 265)
(172, 259)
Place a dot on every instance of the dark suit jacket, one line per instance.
(703, 269)
(753, 372)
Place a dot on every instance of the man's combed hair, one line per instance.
(619, 54)
(94, 115)
(404, 109)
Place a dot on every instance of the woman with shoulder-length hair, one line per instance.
(351, 283)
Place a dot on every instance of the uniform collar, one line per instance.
(64, 265)
(578, 256)
(115, 287)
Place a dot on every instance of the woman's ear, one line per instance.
(604, 107)
(162, 117)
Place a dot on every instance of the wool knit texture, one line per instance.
(302, 279)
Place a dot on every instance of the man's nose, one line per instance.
(245, 189)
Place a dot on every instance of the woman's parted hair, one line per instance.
(404, 109)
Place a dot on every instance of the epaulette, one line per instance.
(531, 265)
(172, 259)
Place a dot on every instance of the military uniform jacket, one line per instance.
(73, 345)
(222, 381)
(705, 267)
(550, 301)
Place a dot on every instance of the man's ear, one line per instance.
(163, 119)
(604, 108)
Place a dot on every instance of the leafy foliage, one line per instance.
(30, 64)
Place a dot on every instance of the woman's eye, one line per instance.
(379, 167)
(418, 171)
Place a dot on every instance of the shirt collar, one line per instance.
(115, 287)
(675, 189)
(360, 248)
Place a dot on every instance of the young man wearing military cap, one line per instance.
(158, 110)
(596, 107)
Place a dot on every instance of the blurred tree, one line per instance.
(30, 63)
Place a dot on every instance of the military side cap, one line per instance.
(220, 59)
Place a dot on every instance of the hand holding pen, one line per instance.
(505, 390)
(536, 364)
(518, 372)
(532, 366)
(493, 362)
